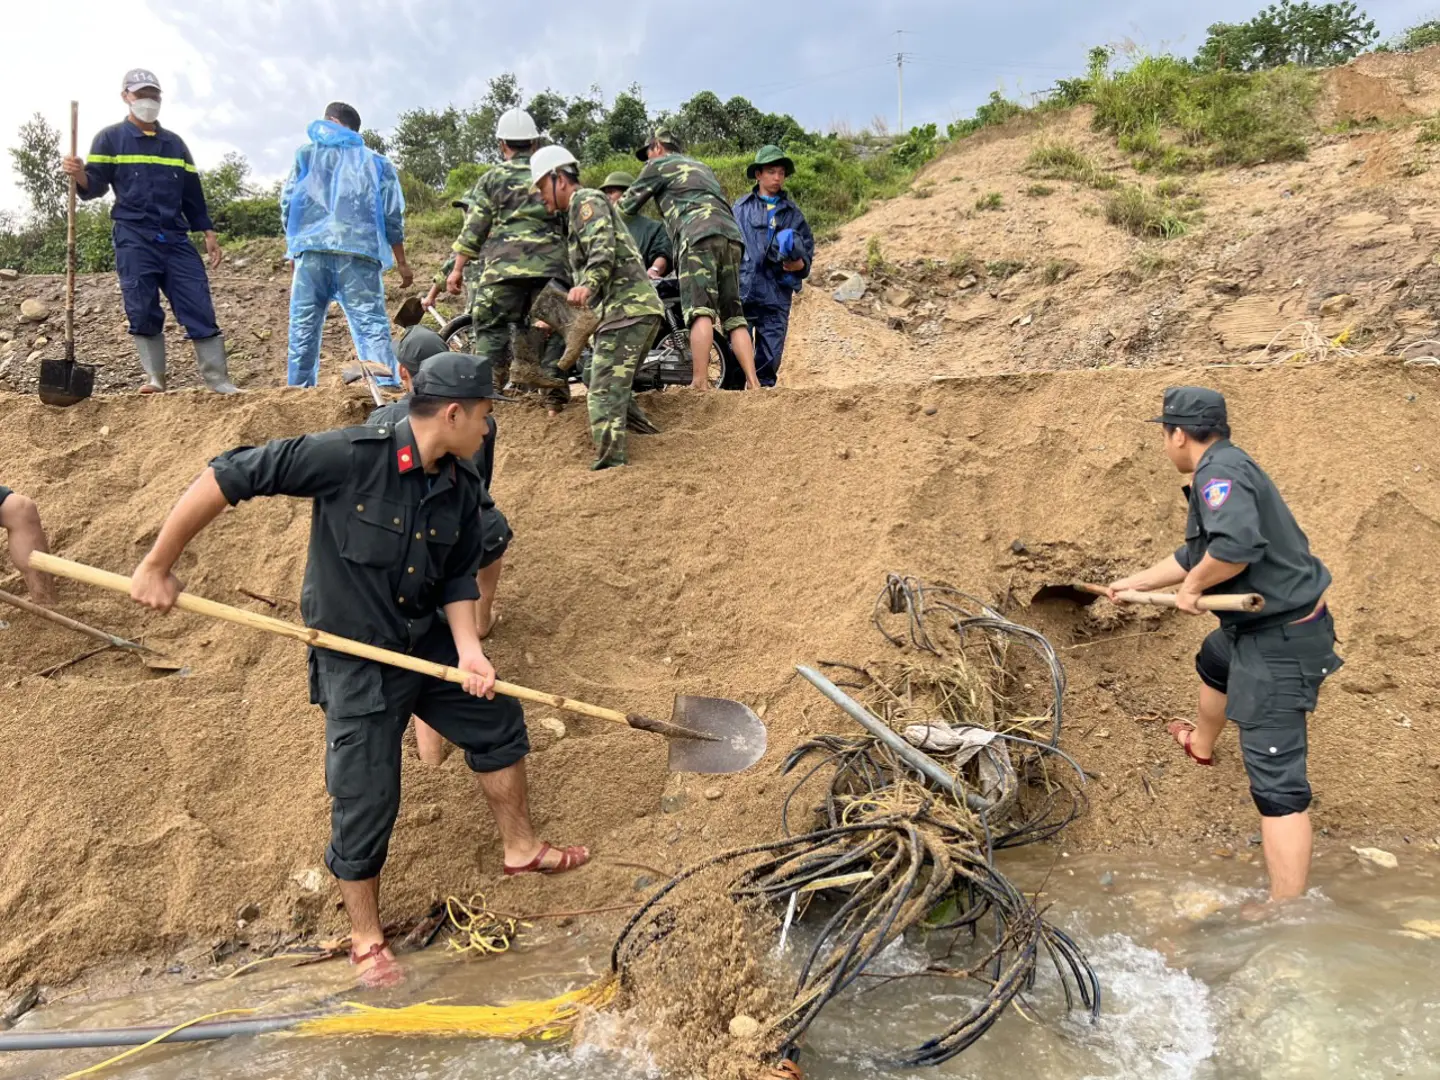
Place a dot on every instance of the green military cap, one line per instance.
(621, 180)
(1192, 406)
(461, 202)
(662, 134)
(769, 155)
(457, 376)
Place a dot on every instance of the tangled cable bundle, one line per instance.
(905, 846)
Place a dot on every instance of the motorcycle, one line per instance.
(667, 363)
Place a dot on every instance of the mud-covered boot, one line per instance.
(525, 370)
(637, 421)
(210, 359)
(152, 362)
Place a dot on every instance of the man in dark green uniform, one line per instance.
(395, 540)
(649, 234)
(609, 279)
(708, 247)
(1262, 670)
(522, 247)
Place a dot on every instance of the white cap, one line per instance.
(546, 160)
(516, 125)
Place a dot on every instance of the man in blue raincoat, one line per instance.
(778, 252)
(344, 221)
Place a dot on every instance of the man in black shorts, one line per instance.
(395, 542)
(1262, 670)
(419, 344)
(20, 518)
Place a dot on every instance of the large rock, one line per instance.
(852, 288)
(34, 311)
(1334, 305)
(9, 274)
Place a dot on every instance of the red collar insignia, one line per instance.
(405, 459)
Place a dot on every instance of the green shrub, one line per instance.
(245, 218)
(1004, 269)
(1420, 36)
(1243, 118)
(996, 111)
(1057, 270)
(1039, 191)
(1061, 161)
(1145, 214)
(1429, 131)
(917, 147)
(992, 200)
(874, 258)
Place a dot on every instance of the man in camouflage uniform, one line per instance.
(648, 233)
(708, 246)
(472, 270)
(610, 278)
(522, 248)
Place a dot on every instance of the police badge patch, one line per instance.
(1215, 492)
(586, 211)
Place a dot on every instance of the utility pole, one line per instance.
(900, 80)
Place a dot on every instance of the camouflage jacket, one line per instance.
(689, 196)
(604, 259)
(510, 229)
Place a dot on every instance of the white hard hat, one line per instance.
(516, 125)
(547, 159)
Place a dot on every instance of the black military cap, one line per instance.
(457, 376)
(418, 345)
(1192, 406)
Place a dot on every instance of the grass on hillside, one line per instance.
(1162, 212)
(1052, 160)
(1174, 118)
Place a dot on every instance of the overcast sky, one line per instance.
(249, 75)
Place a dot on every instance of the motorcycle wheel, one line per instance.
(722, 360)
(456, 335)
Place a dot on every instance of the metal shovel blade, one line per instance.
(1072, 594)
(358, 369)
(64, 383)
(736, 736)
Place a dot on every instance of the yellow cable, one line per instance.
(158, 1038)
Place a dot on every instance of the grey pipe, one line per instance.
(918, 760)
(136, 1036)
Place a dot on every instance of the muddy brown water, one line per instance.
(1334, 986)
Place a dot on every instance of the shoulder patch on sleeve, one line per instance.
(586, 211)
(1215, 492)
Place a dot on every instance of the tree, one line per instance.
(37, 163)
(226, 182)
(1289, 33)
(374, 140)
(1420, 36)
(627, 125)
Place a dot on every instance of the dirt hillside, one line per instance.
(144, 811)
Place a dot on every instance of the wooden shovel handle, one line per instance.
(70, 239)
(1231, 602)
(319, 639)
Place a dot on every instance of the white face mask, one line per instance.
(145, 109)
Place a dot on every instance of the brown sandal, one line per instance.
(384, 972)
(1189, 729)
(572, 858)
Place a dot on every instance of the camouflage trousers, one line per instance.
(503, 306)
(616, 355)
(709, 272)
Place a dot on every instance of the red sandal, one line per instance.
(572, 858)
(1189, 729)
(385, 972)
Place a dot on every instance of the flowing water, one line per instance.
(1336, 986)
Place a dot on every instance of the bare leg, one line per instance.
(1287, 842)
(488, 581)
(744, 350)
(20, 517)
(507, 793)
(434, 748)
(702, 337)
(362, 905)
(1209, 722)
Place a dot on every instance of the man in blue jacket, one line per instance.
(344, 220)
(778, 252)
(158, 203)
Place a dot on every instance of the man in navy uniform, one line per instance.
(158, 204)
